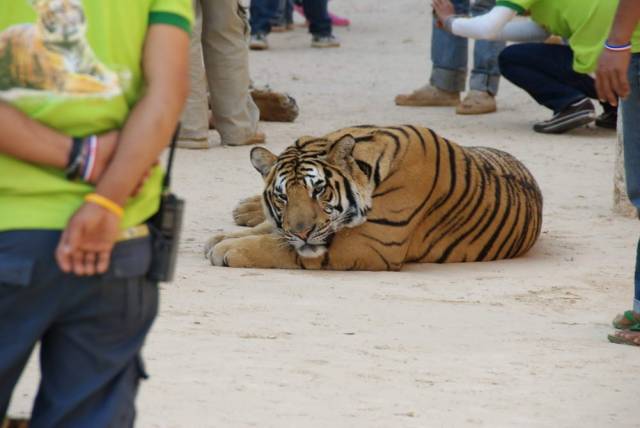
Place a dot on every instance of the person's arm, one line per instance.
(30, 141)
(611, 76)
(86, 244)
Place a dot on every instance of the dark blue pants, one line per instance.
(90, 329)
(631, 132)
(546, 72)
(265, 12)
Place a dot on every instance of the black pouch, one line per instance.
(165, 227)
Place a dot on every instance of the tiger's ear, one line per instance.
(341, 150)
(262, 160)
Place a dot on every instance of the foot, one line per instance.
(257, 138)
(428, 96)
(275, 106)
(339, 21)
(325, 42)
(577, 114)
(477, 102)
(607, 120)
(193, 143)
(625, 338)
(626, 320)
(258, 42)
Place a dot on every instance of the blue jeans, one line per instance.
(265, 12)
(449, 55)
(631, 132)
(262, 14)
(546, 72)
(90, 329)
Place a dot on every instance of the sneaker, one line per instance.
(275, 106)
(577, 114)
(258, 42)
(477, 102)
(608, 120)
(428, 96)
(257, 138)
(325, 42)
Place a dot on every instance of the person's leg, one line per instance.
(630, 107)
(316, 11)
(485, 74)
(264, 13)
(90, 355)
(546, 72)
(226, 57)
(194, 129)
(449, 68)
(28, 302)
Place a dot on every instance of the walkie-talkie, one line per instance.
(166, 225)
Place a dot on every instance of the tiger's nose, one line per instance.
(301, 231)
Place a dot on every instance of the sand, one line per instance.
(500, 344)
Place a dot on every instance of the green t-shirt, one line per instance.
(584, 23)
(75, 66)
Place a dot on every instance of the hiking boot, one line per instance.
(325, 42)
(258, 42)
(257, 138)
(608, 120)
(275, 106)
(577, 114)
(428, 96)
(477, 102)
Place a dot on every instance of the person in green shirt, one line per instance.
(557, 76)
(90, 94)
(618, 76)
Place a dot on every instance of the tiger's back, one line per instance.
(451, 203)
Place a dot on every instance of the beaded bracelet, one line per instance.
(105, 203)
(617, 48)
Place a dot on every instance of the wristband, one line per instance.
(617, 48)
(105, 203)
(90, 160)
(74, 164)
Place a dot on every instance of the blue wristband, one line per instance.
(617, 48)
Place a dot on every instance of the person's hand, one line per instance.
(443, 9)
(611, 76)
(86, 243)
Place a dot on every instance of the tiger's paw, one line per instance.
(212, 242)
(229, 253)
(249, 212)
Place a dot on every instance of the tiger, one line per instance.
(374, 198)
(53, 54)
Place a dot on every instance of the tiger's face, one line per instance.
(61, 22)
(309, 196)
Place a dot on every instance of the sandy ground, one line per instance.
(501, 344)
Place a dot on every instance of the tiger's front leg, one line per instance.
(255, 251)
(260, 229)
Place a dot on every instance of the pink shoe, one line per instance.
(336, 20)
(339, 21)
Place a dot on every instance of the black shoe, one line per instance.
(608, 120)
(577, 114)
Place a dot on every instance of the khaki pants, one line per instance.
(220, 38)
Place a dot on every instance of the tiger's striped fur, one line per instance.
(397, 194)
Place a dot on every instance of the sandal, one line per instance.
(620, 338)
(626, 321)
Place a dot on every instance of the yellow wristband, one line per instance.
(105, 203)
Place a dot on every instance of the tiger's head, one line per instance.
(312, 190)
(61, 22)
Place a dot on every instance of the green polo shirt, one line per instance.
(584, 23)
(75, 66)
